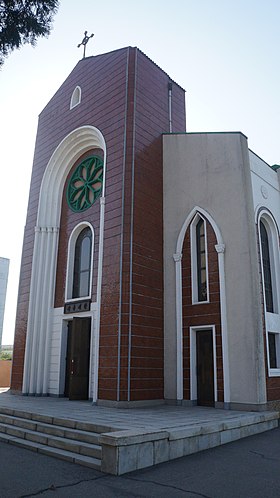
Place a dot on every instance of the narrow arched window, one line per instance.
(76, 97)
(266, 268)
(201, 261)
(82, 264)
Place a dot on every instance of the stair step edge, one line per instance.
(69, 456)
(88, 437)
(59, 421)
(82, 447)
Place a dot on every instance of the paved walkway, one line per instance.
(158, 417)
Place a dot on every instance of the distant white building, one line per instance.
(4, 271)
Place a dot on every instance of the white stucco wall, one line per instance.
(266, 186)
(212, 171)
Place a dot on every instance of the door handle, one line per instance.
(72, 366)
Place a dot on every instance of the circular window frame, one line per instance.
(81, 194)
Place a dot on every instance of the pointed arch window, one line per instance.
(199, 260)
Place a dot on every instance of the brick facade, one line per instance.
(131, 337)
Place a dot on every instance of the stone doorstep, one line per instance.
(59, 421)
(139, 436)
(232, 423)
(84, 436)
(132, 436)
(64, 443)
(30, 432)
(51, 429)
(131, 449)
(152, 448)
(69, 456)
(10, 411)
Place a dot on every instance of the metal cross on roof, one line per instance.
(85, 41)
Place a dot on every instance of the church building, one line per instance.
(151, 266)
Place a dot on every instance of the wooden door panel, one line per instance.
(79, 359)
(68, 359)
(205, 368)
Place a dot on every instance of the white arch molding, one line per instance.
(42, 287)
(220, 248)
(272, 320)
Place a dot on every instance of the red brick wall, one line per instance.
(201, 314)
(140, 322)
(142, 305)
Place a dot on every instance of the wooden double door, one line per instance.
(78, 359)
(205, 368)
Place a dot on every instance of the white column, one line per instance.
(41, 311)
(98, 300)
(53, 248)
(30, 320)
(179, 324)
(40, 302)
(220, 248)
(38, 261)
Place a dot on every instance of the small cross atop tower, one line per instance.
(85, 41)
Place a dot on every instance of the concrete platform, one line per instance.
(141, 437)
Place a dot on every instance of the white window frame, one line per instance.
(76, 97)
(193, 226)
(193, 365)
(272, 320)
(70, 262)
(274, 372)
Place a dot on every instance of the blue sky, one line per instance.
(224, 53)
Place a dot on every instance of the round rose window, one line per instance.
(85, 184)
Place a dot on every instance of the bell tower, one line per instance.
(123, 105)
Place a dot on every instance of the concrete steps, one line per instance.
(124, 441)
(67, 439)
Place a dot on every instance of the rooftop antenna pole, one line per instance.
(85, 41)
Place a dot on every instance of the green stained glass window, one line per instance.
(85, 184)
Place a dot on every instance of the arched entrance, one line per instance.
(193, 217)
(36, 362)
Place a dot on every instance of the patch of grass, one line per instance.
(5, 355)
